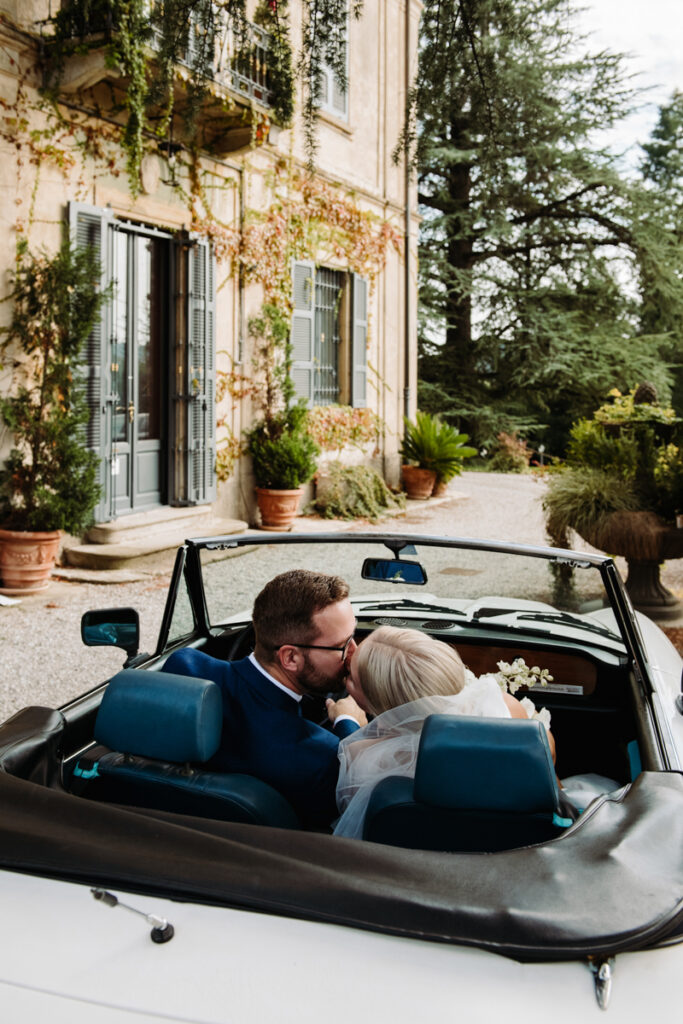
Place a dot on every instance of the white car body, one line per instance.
(66, 956)
(70, 960)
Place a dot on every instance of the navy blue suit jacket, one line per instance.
(265, 735)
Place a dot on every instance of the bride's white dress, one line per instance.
(388, 745)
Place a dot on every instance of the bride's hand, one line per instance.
(345, 706)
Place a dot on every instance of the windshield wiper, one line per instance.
(569, 620)
(405, 603)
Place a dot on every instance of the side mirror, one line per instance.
(112, 627)
(393, 570)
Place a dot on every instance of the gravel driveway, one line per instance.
(44, 662)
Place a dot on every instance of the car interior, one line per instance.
(146, 741)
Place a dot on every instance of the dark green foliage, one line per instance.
(662, 169)
(283, 452)
(528, 228)
(284, 456)
(579, 499)
(613, 465)
(354, 492)
(432, 444)
(49, 480)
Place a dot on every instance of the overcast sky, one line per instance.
(651, 31)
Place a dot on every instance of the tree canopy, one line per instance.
(535, 249)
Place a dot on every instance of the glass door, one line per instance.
(138, 370)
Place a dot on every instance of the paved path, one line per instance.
(42, 659)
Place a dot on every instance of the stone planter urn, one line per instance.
(278, 508)
(645, 541)
(27, 559)
(417, 482)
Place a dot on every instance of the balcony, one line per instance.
(238, 94)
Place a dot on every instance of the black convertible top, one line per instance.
(613, 882)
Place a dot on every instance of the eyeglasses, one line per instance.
(325, 647)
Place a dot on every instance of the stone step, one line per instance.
(152, 551)
(138, 526)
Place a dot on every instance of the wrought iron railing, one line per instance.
(240, 58)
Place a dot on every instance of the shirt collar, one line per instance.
(290, 693)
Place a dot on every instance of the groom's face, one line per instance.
(325, 665)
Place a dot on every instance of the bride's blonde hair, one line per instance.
(395, 666)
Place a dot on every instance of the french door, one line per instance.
(149, 368)
(138, 367)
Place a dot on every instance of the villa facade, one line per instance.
(167, 370)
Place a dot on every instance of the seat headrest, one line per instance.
(160, 715)
(485, 764)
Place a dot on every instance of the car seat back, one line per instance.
(481, 785)
(157, 731)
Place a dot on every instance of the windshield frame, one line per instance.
(189, 566)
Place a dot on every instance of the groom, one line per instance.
(304, 636)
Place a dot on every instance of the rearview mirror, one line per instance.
(393, 570)
(112, 627)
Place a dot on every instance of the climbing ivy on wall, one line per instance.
(308, 218)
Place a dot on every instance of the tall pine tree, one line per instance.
(661, 285)
(530, 236)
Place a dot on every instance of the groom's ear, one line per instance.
(289, 657)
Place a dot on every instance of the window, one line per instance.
(329, 95)
(331, 98)
(329, 336)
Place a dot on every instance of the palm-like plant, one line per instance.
(433, 444)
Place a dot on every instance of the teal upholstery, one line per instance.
(481, 784)
(156, 730)
(173, 718)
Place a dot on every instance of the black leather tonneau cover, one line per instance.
(613, 882)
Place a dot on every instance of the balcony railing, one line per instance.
(240, 59)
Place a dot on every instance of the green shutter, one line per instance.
(303, 322)
(201, 376)
(359, 327)
(89, 227)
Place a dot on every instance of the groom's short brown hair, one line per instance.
(284, 609)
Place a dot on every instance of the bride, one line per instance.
(401, 676)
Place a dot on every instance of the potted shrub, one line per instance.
(283, 453)
(48, 482)
(432, 453)
(621, 490)
(284, 457)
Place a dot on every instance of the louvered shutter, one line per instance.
(201, 377)
(89, 228)
(359, 326)
(302, 338)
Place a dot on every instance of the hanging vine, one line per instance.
(156, 46)
(324, 45)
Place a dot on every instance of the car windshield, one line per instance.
(539, 591)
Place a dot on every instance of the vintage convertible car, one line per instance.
(109, 813)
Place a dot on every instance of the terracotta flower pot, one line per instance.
(278, 508)
(417, 482)
(27, 559)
